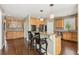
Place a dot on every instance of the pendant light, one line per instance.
(41, 18)
(51, 15)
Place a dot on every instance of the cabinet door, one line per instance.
(74, 36)
(9, 35)
(56, 23)
(59, 23)
(33, 22)
(64, 36)
(67, 36)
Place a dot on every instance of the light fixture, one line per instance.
(41, 18)
(51, 15)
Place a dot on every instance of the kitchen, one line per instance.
(57, 30)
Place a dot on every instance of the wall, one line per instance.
(78, 35)
(0, 29)
(78, 30)
(71, 20)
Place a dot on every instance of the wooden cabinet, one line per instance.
(14, 23)
(14, 35)
(14, 28)
(59, 23)
(58, 45)
(33, 21)
(66, 35)
(36, 24)
(36, 21)
(74, 36)
(71, 36)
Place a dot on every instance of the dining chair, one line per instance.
(39, 44)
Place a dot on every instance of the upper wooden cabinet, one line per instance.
(33, 21)
(59, 23)
(14, 24)
(36, 21)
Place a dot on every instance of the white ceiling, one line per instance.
(22, 10)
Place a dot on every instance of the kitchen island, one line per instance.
(68, 35)
(54, 43)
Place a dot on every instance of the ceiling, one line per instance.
(22, 10)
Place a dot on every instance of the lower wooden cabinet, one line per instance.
(74, 36)
(14, 35)
(71, 36)
(58, 45)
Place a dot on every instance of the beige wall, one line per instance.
(1, 30)
(78, 30)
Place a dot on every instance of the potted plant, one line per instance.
(68, 26)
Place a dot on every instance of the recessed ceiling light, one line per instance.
(41, 10)
(51, 4)
(41, 18)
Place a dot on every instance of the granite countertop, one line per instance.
(16, 30)
(66, 31)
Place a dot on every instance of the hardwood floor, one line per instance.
(17, 47)
(69, 48)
